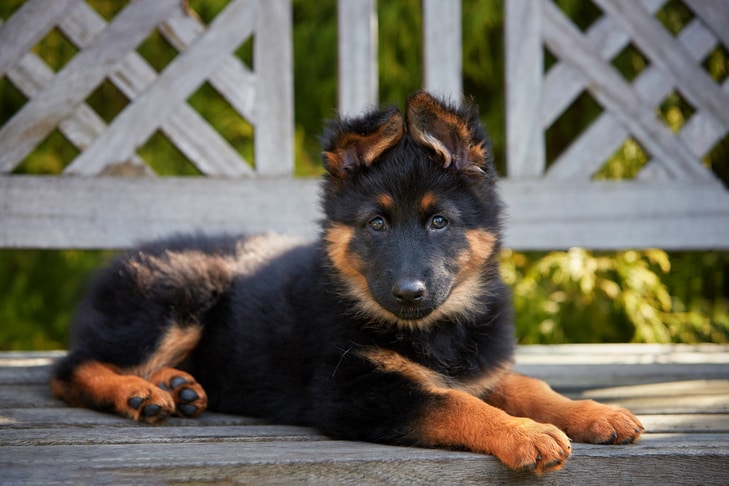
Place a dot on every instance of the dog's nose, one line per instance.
(408, 291)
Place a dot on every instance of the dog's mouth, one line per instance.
(409, 309)
(412, 313)
(406, 304)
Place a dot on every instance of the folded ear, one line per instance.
(349, 144)
(455, 135)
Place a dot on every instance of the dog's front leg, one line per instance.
(581, 420)
(403, 402)
(456, 419)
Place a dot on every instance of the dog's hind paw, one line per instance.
(147, 403)
(189, 397)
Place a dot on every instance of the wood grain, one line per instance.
(185, 128)
(442, 48)
(606, 134)
(109, 212)
(525, 145)
(40, 115)
(357, 56)
(686, 441)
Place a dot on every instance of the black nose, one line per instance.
(408, 291)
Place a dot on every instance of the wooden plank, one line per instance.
(40, 115)
(28, 395)
(181, 77)
(27, 368)
(658, 459)
(524, 64)
(669, 232)
(715, 13)
(663, 50)
(631, 214)
(614, 93)
(79, 445)
(31, 74)
(563, 83)
(442, 48)
(232, 79)
(26, 27)
(710, 404)
(273, 57)
(171, 432)
(187, 130)
(589, 366)
(357, 55)
(63, 416)
(680, 389)
(107, 212)
(710, 397)
(691, 423)
(603, 137)
(701, 133)
(571, 379)
(243, 462)
(52, 212)
(635, 354)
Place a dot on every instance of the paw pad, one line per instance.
(146, 403)
(189, 397)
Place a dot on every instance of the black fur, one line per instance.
(283, 334)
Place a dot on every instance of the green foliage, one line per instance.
(580, 296)
(573, 296)
(38, 290)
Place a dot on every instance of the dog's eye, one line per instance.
(438, 222)
(377, 223)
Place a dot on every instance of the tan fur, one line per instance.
(428, 379)
(445, 132)
(337, 238)
(390, 361)
(175, 346)
(102, 385)
(165, 376)
(462, 301)
(355, 148)
(582, 420)
(385, 201)
(428, 202)
(458, 418)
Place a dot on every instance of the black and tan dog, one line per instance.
(394, 327)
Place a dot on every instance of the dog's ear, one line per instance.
(349, 144)
(455, 135)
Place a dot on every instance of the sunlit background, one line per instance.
(560, 297)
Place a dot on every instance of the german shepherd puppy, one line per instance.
(393, 327)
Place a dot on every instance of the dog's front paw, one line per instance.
(596, 423)
(190, 398)
(526, 445)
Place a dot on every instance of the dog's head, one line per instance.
(412, 222)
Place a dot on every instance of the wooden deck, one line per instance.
(681, 393)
